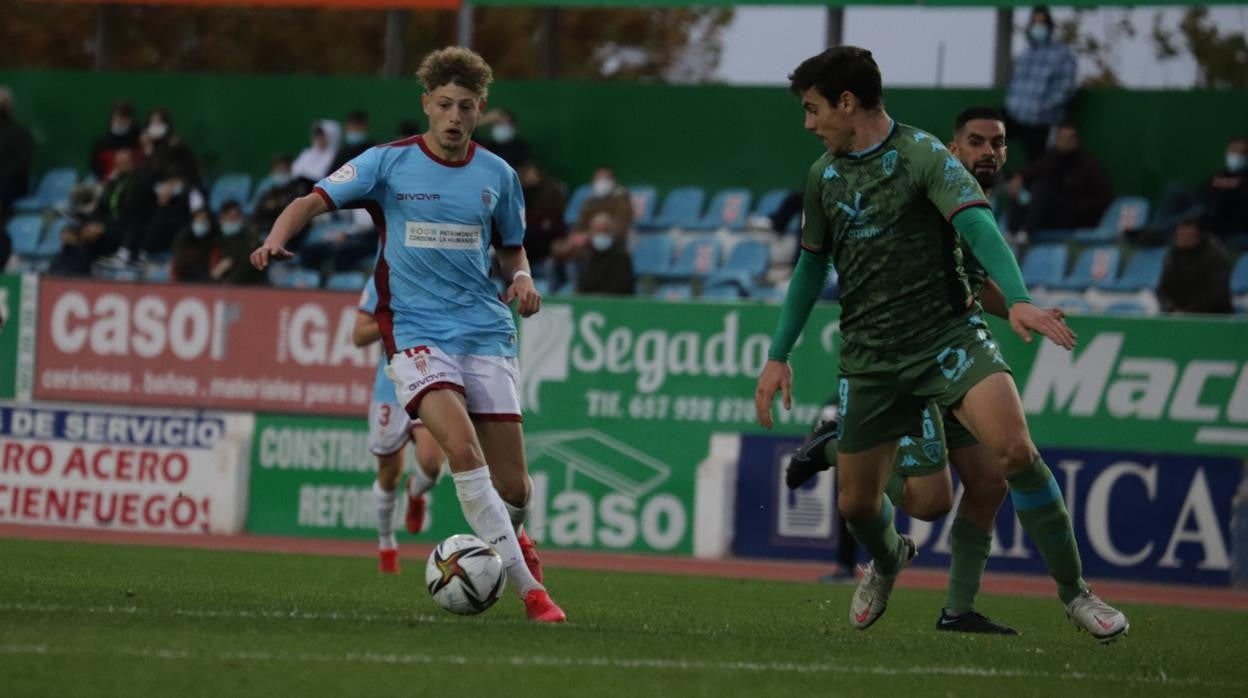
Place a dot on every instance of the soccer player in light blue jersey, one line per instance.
(438, 201)
(389, 430)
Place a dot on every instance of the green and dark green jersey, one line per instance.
(976, 275)
(884, 215)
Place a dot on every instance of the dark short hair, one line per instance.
(123, 107)
(1237, 139)
(1043, 10)
(358, 116)
(1067, 123)
(230, 205)
(974, 113)
(841, 69)
(280, 158)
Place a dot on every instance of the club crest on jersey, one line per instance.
(488, 198)
(346, 173)
(830, 172)
(890, 163)
(932, 450)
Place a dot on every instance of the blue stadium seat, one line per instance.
(53, 189)
(1074, 306)
(747, 262)
(1096, 267)
(681, 209)
(127, 274)
(1045, 265)
(542, 286)
(1125, 213)
(653, 255)
(575, 202)
(1143, 270)
(158, 274)
(298, 278)
(346, 281)
(768, 294)
(316, 234)
(50, 241)
(1239, 276)
(1126, 307)
(673, 292)
(721, 292)
(231, 187)
(24, 232)
(698, 258)
(770, 202)
(645, 201)
(728, 210)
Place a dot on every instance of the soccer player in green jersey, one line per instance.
(888, 204)
(920, 483)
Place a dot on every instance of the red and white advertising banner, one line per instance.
(124, 469)
(257, 350)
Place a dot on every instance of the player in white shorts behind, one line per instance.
(389, 430)
(439, 201)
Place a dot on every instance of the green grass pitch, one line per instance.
(108, 620)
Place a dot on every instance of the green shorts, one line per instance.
(928, 453)
(883, 394)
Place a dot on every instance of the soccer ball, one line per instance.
(465, 575)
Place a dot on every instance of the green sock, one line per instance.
(969, 555)
(895, 489)
(1042, 511)
(879, 536)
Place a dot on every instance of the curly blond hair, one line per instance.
(456, 65)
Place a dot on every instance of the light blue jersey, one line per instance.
(383, 387)
(437, 221)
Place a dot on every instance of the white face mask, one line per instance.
(503, 133)
(603, 186)
(1235, 162)
(602, 241)
(231, 228)
(200, 228)
(119, 128)
(1038, 33)
(157, 130)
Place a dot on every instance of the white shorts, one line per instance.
(488, 383)
(389, 428)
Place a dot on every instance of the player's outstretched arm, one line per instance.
(979, 230)
(809, 278)
(293, 218)
(514, 263)
(993, 301)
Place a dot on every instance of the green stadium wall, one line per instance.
(666, 135)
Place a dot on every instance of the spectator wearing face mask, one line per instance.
(1041, 86)
(1224, 196)
(315, 160)
(1196, 276)
(276, 191)
(504, 141)
(608, 267)
(607, 196)
(122, 134)
(543, 213)
(238, 239)
(196, 249)
(1066, 189)
(355, 139)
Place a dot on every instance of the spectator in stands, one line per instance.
(276, 192)
(607, 196)
(1041, 86)
(315, 160)
(343, 249)
(1065, 189)
(74, 258)
(109, 218)
(355, 139)
(17, 153)
(1196, 277)
(238, 239)
(1224, 195)
(196, 249)
(543, 214)
(608, 267)
(122, 134)
(504, 141)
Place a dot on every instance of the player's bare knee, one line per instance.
(857, 506)
(931, 508)
(1017, 454)
(513, 490)
(465, 456)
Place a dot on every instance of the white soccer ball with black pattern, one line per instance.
(465, 575)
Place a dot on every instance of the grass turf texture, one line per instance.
(102, 620)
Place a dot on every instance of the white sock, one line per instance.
(419, 483)
(385, 516)
(519, 514)
(485, 512)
